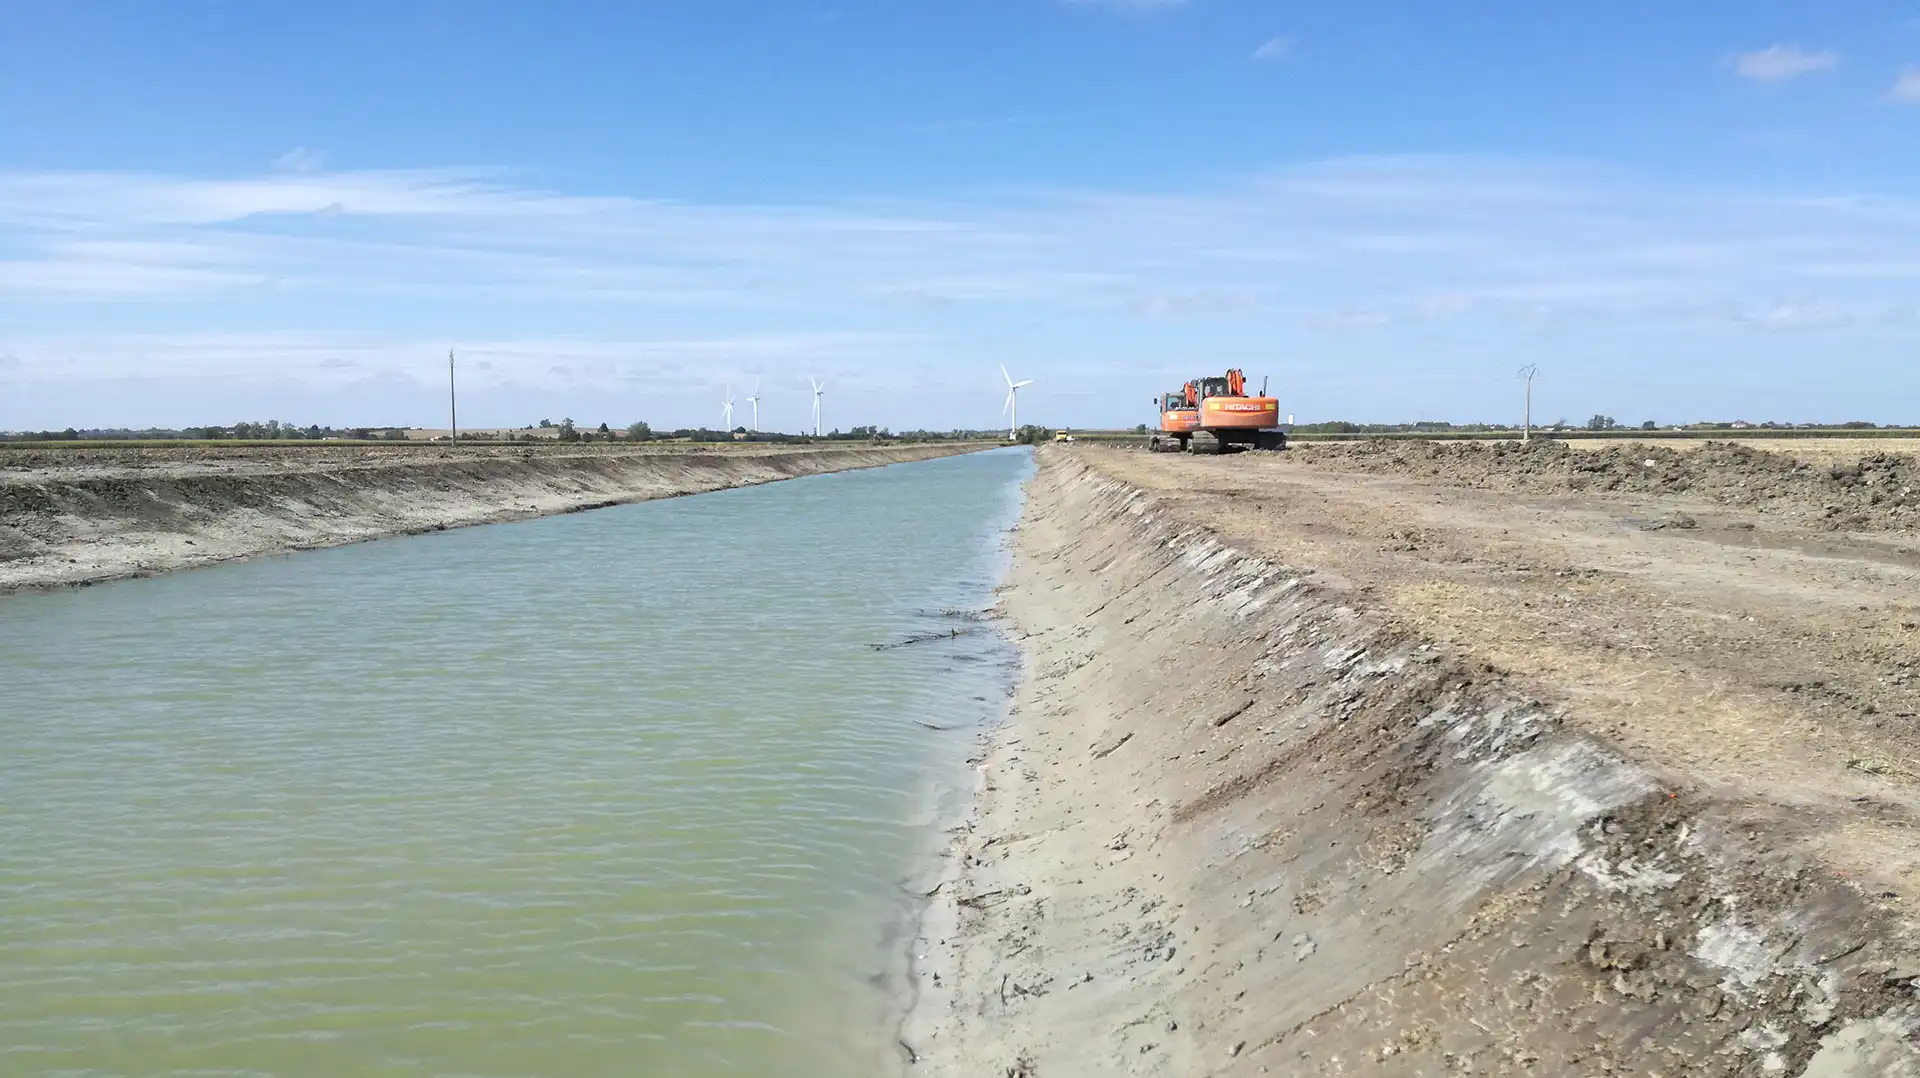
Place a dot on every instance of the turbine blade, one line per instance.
(1023, 385)
(1004, 374)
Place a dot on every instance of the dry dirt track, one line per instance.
(1323, 769)
(1758, 652)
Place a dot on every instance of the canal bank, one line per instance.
(79, 517)
(1240, 821)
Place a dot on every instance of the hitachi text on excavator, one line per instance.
(1217, 415)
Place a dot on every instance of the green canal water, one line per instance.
(621, 793)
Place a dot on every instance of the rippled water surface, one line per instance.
(621, 793)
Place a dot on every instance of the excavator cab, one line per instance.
(1179, 415)
(1232, 384)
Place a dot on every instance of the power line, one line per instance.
(1528, 372)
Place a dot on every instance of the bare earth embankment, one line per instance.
(82, 516)
(1455, 759)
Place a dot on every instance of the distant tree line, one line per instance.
(271, 430)
(644, 432)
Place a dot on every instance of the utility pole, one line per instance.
(453, 405)
(1526, 428)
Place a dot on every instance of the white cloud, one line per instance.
(1346, 319)
(54, 198)
(637, 296)
(300, 159)
(1798, 314)
(61, 278)
(1273, 48)
(334, 355)
(1175, 304)
(1777, 63)
(449, 237)
(1906, 88)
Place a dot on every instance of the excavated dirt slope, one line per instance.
(1258, 810)
(83, 516)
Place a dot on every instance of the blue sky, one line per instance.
(217, 211)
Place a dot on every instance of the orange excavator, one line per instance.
(1217, 415)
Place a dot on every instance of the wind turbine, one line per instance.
(755, 401)
(818, 388)
(1011, 409)
(726, 409)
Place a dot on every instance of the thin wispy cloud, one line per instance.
(333, 357)
(300, 159)
(1779, 63)
(367, 275)
(1273, 48)
(1346, 319)
(1906, 88)
(1174, 304)
(455, 235)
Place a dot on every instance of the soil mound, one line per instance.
(1879, 491)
